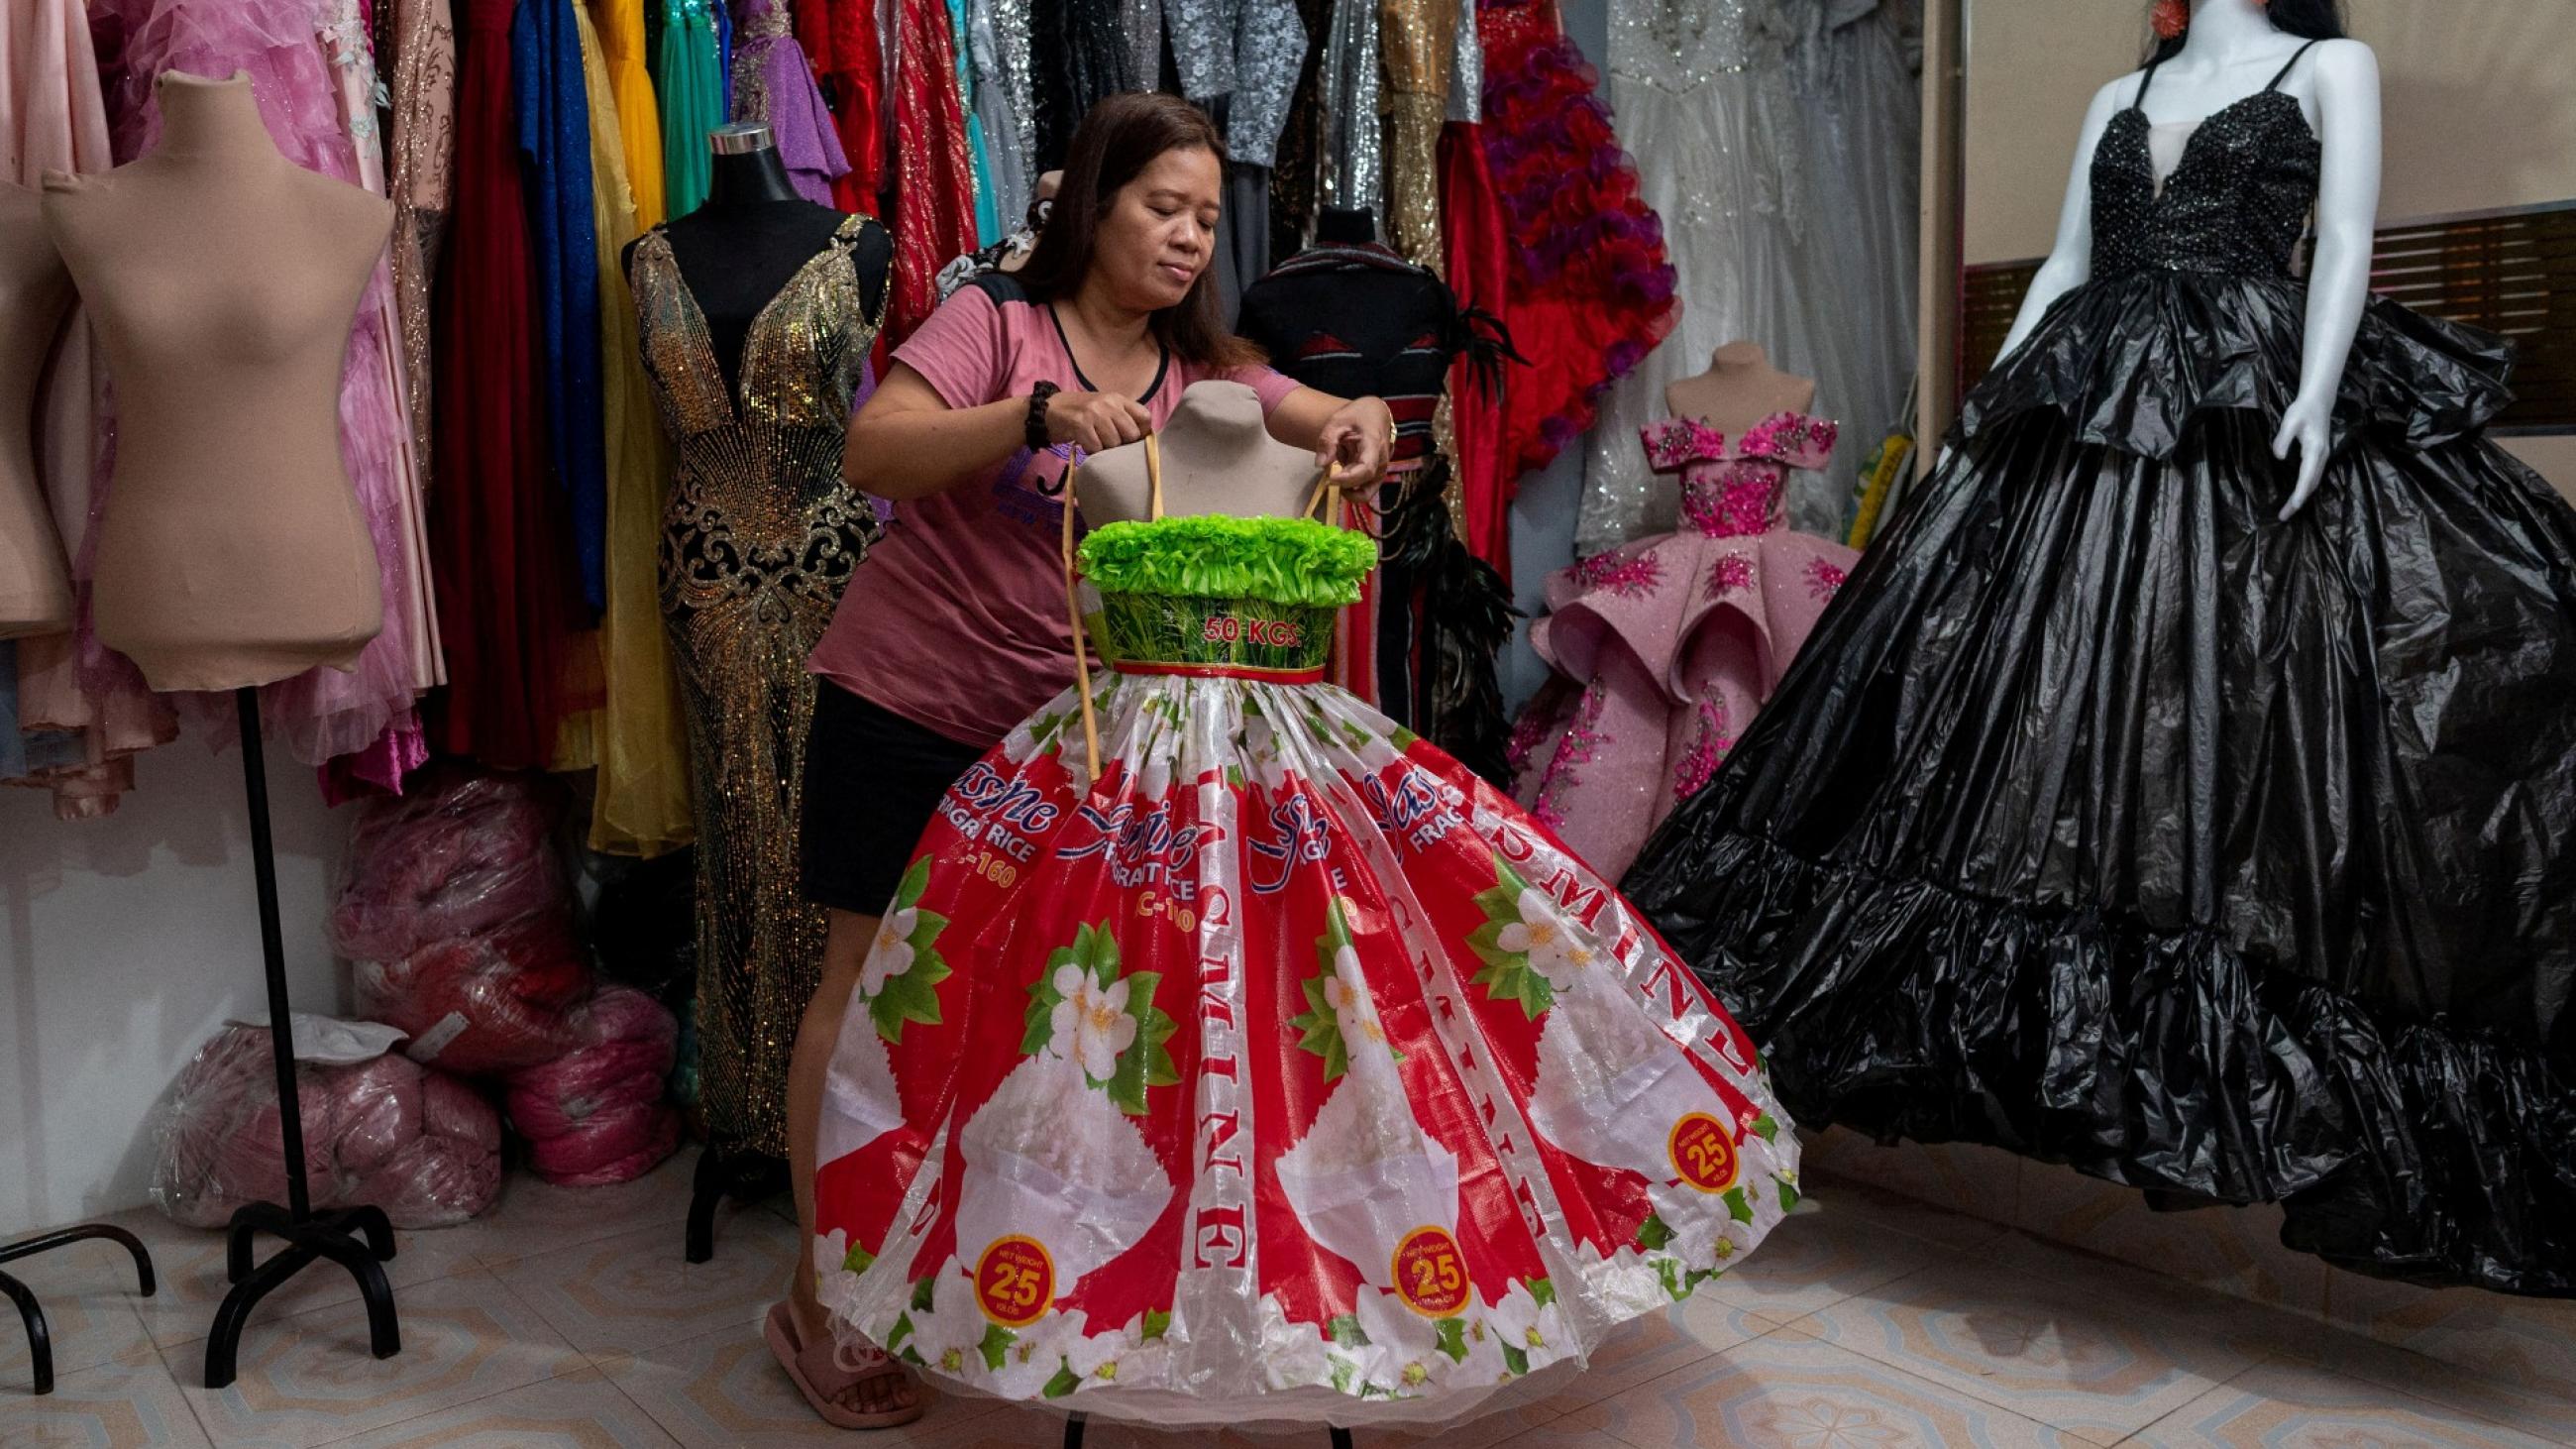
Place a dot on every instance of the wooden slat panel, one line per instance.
(2509, 272)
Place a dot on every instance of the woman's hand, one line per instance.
(2306, 427)
(1096, 421)
(1355, 442)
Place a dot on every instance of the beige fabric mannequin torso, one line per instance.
(1740, 389)
(35, 290)
(222, 280)
(1217, 458)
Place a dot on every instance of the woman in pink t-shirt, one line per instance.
(953, 629)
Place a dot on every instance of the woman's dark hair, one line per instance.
(2307, 19)
(1117, 140)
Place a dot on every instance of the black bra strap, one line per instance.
(2139, 101)
(2293, 65)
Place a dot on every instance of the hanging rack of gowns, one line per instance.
(497, 432)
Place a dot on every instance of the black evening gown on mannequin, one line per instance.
(2111, 821)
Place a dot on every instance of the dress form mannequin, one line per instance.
(1337, 227)
(223, 279)
(756, 315)
(752, 236)
(1740, 389)
(35, 592)
(2228, 49)
(1217, 457)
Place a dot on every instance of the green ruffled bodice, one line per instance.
(1240, 593)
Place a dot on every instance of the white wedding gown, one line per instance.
(1700, 91)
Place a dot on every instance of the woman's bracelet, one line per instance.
(1035, 430)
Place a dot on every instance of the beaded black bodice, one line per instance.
(2237, 203)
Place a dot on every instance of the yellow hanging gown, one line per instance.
(639, 738)
(639, 115)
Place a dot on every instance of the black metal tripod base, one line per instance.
(1073, 1435)
(727, 1172)
(40, 1341)
(358, 1239)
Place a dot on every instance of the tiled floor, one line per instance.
(567, 1318)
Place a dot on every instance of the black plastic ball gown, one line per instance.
(2109, 820)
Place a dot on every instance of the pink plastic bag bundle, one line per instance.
(596, 1116)
(489, 1002)
(459, 922)
(419, 1144)
(460, 854)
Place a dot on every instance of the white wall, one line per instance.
(2479, 108)
(124, 942)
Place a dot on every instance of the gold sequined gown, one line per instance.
(758, 539)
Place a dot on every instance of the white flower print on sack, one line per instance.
(1121, 1358)
(1091, 1023)
(892, 953)
(1480, 1349)
(1365, 1179)
(1054, 1161)
(831, 1252)
(1403, 1356)
(1556, 949)
(1053, 1157)
(1035, 1356)
(1530, 1333)
(1293, 1355)
(860, 1101)
(899, 980)
(1623, 1280)
(949, 1336)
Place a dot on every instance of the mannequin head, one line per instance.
(1135, 223)
(744, 167)
(2307, 19)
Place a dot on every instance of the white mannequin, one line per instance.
(1217, 457)
(2231, 49)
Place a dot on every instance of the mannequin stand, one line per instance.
(726, 1171)
(40, 1343)
(309, 1237)
(1073, 1434)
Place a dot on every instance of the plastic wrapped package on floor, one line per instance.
(463, 853)
(492, 1001)
(596, 1114)
(385, 1130)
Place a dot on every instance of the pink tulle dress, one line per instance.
(314, 76)
(1665, 648)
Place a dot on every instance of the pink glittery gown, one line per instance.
(1665, 648)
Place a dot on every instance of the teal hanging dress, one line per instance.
(688, 75)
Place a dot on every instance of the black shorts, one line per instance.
(873, 780)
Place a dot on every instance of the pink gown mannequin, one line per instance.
(35, 292)
(1666, 648)
(222, 280)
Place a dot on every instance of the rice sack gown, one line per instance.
(2107, 819)
(1278, 1069)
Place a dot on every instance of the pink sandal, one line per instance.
(823, 1370)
